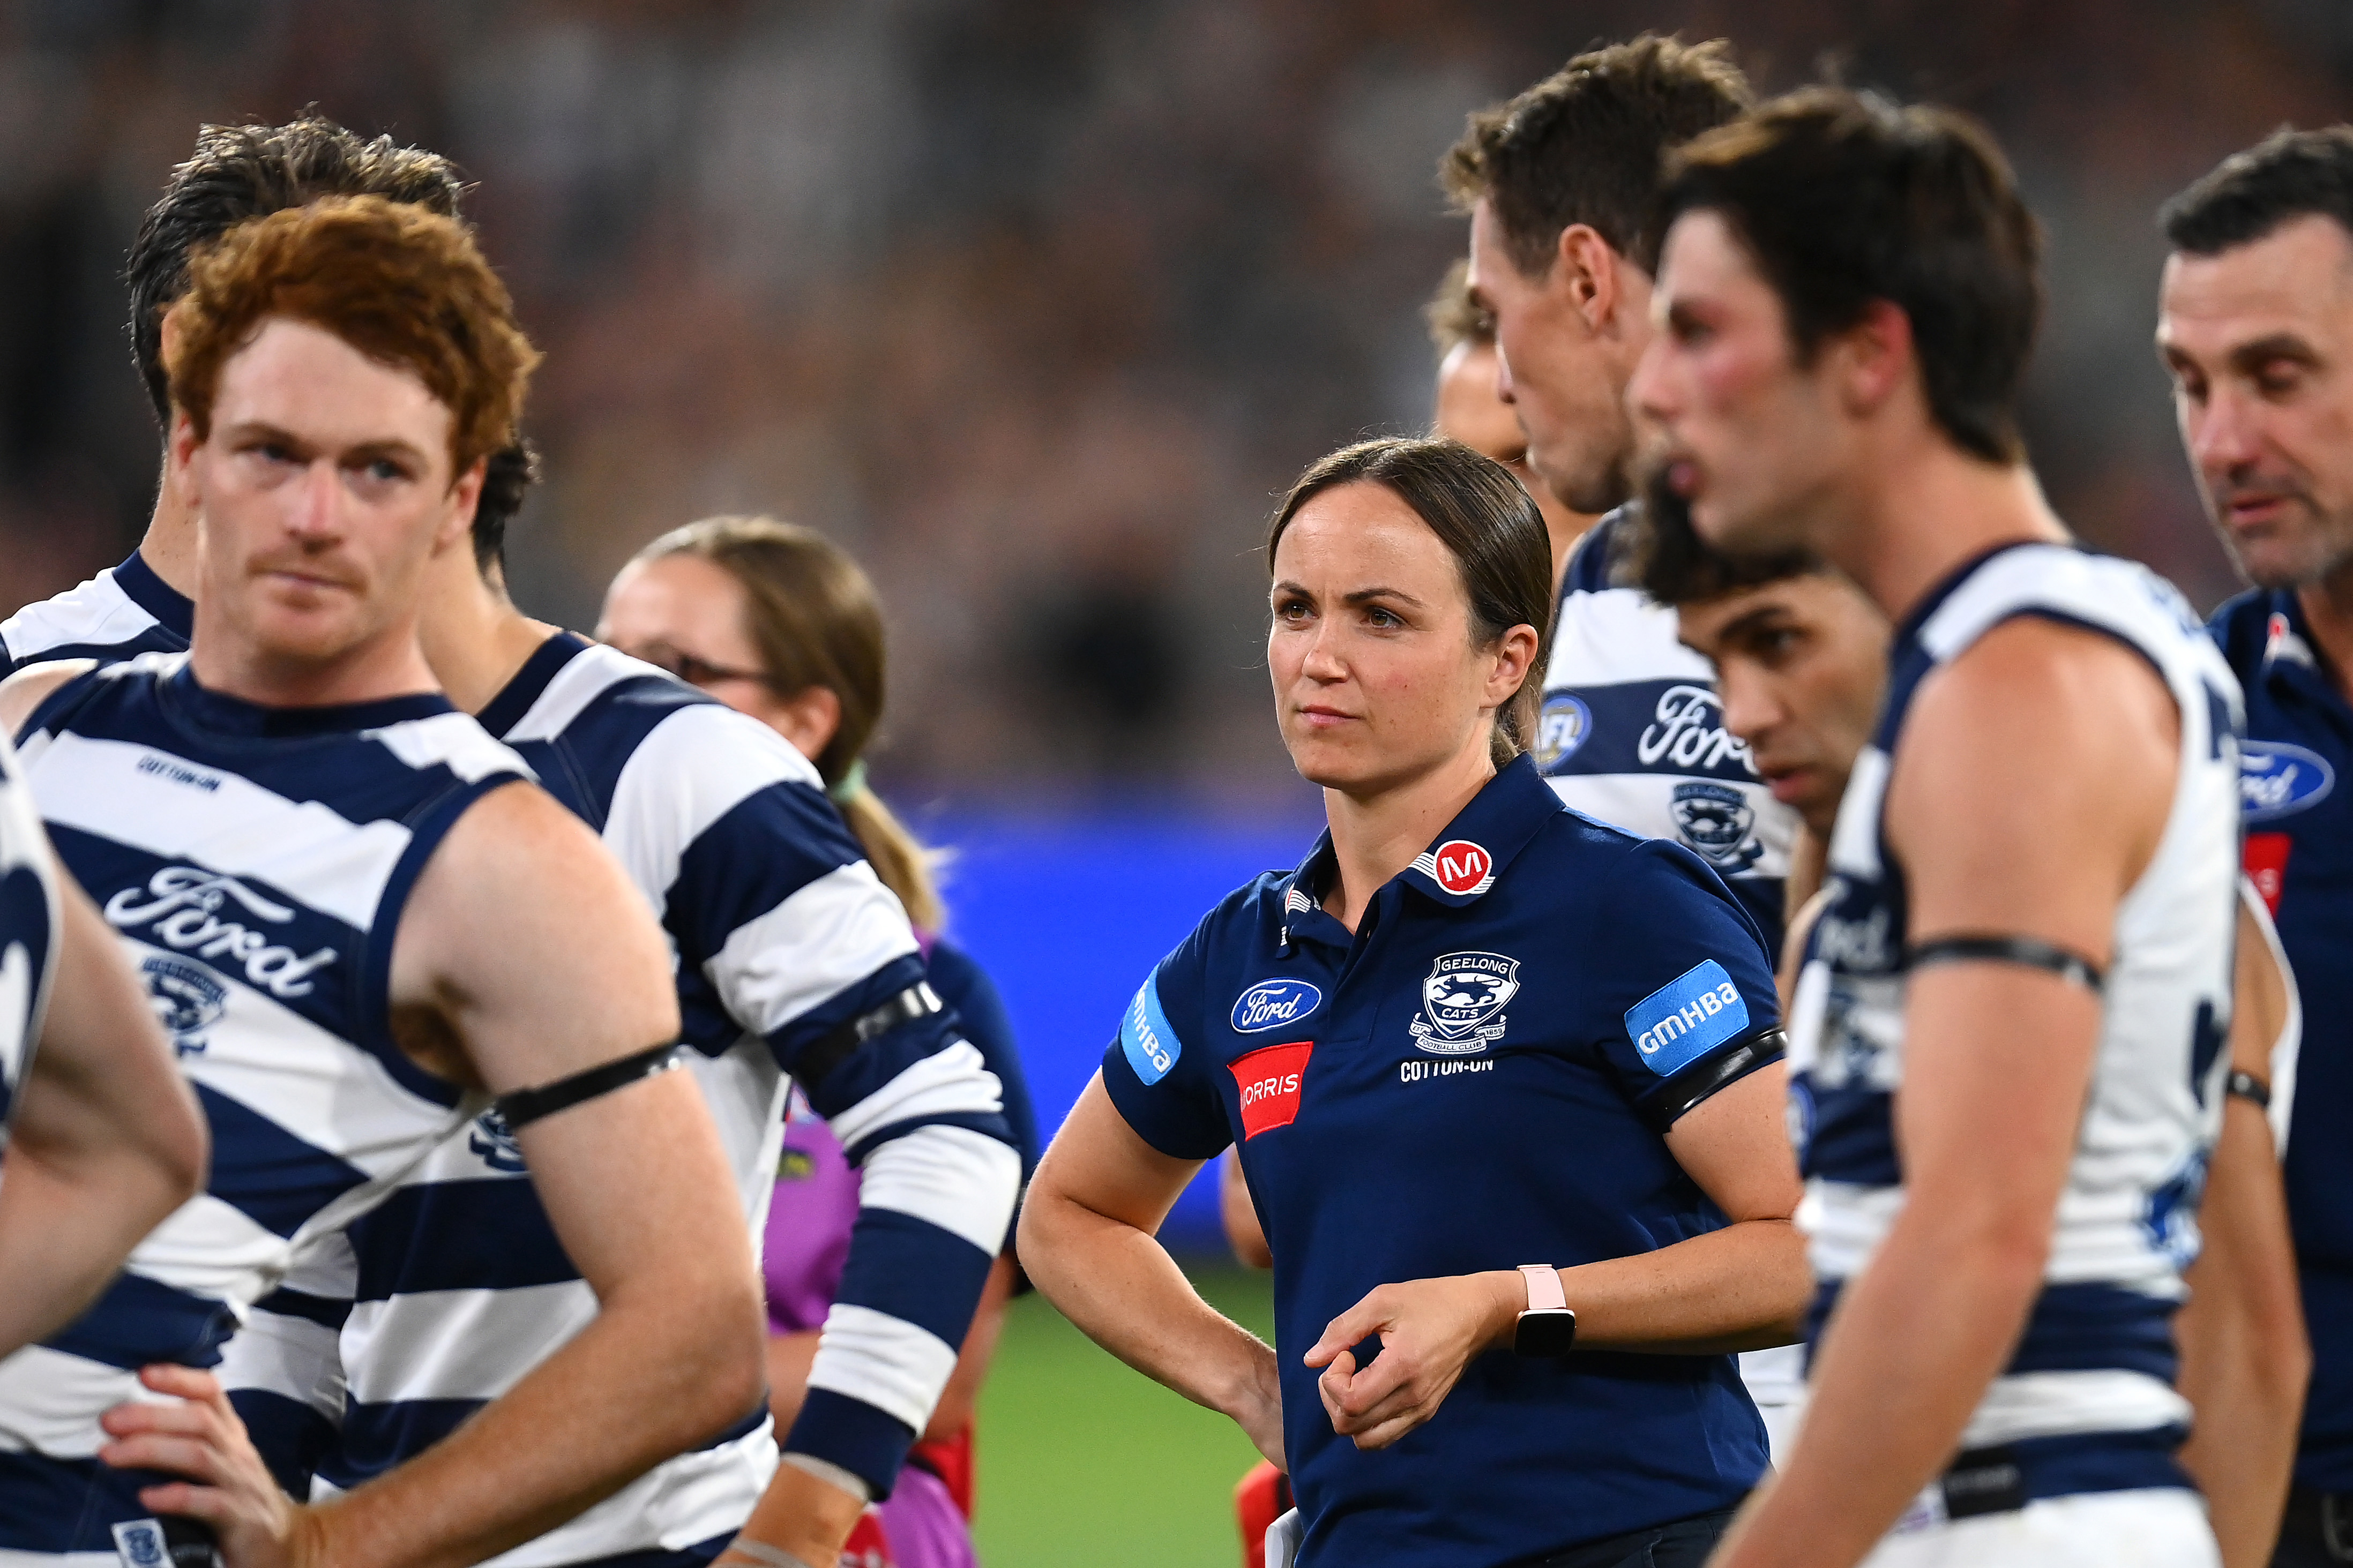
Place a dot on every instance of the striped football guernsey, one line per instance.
(391, 1335)
(256, 862)
(28, 930)
(2086, 1402)
(120, 614)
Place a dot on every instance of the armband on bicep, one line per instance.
(2029, 952)
(520, 1107)
(1683, 1093)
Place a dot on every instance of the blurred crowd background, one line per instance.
(1036, 304)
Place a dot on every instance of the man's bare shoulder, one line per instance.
(26, 689)
(2035, 681)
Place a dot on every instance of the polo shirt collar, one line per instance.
(1460, 865)
(2290, 656)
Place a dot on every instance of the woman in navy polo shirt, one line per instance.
(1474, 1031)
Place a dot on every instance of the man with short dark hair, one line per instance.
(2255, 325)
(2007, 1048)
(1558, 183)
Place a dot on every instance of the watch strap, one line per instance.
(1544, 1287)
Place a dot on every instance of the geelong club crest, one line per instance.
(1715, 819)
(1463, 1001)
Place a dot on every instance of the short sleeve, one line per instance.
(1686, 999)
(1160, 1081)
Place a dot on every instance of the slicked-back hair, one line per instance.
(1842, 199)
(1487, 523)
(404, 286)
(1585, 144)
(242, 171)
(2288, 175)
(1676, 567)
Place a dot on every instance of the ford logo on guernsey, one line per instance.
(2276, 779)
(1271, 1004)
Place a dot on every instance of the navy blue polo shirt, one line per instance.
(1479, 1077)
(2298, 811)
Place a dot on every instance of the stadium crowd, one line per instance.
(1862, 960)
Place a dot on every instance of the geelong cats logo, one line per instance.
(1463, 1001)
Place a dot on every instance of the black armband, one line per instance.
(837, 1045)
(1685, 1090)
(2029, 951)
(525, 1106)
(2249, 1088)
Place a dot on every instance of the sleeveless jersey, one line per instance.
(29, 931)
(391, 1334)
(1632, 733)
(256, 862)
(2086, 1402)
(120, 614)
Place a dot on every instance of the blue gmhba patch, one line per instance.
(1686, 1018)
(1150, 1045)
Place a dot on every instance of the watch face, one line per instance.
(1545, 1332)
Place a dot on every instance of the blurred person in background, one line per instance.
(2255, 325)
(2008, 1048)
(1559, 183)
(100, 1137)
(237, 172)
(327, 1385)
(782, 624)
(1801, 659)
(1472, 410)
(1596, 1076)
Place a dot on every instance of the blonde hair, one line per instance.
(812, 613)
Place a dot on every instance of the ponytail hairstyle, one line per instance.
(811, 611)
(1488, 524)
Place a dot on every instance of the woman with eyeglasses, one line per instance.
(776, 622)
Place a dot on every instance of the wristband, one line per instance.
(2249, 1088)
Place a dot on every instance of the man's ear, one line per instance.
(465, 495)
(1591, 274)
(1873, 359)
(181, 442)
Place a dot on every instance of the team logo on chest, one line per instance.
(1463, 1001)
(1715, 819)
(187, 999)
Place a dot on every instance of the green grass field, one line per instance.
(1085, 1464)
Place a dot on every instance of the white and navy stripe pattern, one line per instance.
(2086, 1402)
(256, 862)
(120, 614)
(1632, 733)
(457, 1288)
(28, 930)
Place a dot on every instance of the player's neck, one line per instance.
(1915, 520)
(473, 636)
(2327, 607)
(1377, 835)
(223, 660)
(169, 545)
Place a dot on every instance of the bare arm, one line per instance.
(1743, 1287)
(1087, 1239)
(524, 937)
(1243, 1233)
(27, 688)
(107, 1140)
(2030, 790)
(2244, 1357)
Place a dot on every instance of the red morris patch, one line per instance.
(2266, 864)
(1462, 866)
(1269, 1080)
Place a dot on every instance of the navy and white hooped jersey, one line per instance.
(392, 1333)
(29, 930)
(1632, 732)
(256, 862)
(120, 614)
(1481, 1076)
(2297, 808)
(2086, 1402)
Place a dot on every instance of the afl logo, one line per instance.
(187, 999)
(1271, 1004)
(1459, 866)
(1561, 727)
(2279, 779)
